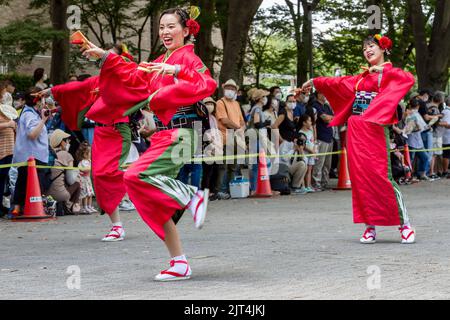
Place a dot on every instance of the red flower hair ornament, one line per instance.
(194, 27)
(384, 42)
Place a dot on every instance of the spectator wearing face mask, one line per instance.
(427, 134)
(230, 119)
(258, 123)
(278, 94)
(40, 77)
(19, 102)
(285, 122)
(65, 186)
(31, 141)
(444, 125)
(270, 109)
(435, 107)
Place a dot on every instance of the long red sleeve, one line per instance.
(395, 85)
(194, 84)
(75, 99)
(340, 92)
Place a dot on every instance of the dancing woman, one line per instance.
(368, 103)
(169, 87)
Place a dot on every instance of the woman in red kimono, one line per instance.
(169, 87)
(368, 103)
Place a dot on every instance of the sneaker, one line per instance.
(309, 190)
(299, 191)
(408, 235)
(369, 236)
(92, 210)
(117, 233)
(435, 177)
(199, 207)
(426, 178)
(213, 197)
(171, 274)
(126, 205)
(84, 211)
(223, 196)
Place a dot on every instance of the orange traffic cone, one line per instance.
(263, 188)
(408, 161)
(34, 208)
(344, 182)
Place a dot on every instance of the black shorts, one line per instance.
(446, 153)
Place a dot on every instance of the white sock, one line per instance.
(406, 225)
(180, 268)
(117, 224)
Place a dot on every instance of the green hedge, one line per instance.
(22, 82)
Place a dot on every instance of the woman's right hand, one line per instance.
(93, 51)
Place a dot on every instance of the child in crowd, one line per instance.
(306, 127)
(87, 190)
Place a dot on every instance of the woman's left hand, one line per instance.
(160, 68)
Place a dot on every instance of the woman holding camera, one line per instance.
(31, 141)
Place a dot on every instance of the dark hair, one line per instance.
(29, 99)
(303, 119)
(272, 89)
(413, 104)
(82, 149)
(310, 106)
(183, 17)
(426, 91)
(270, 97)
(19, 95)
(439, 97)
(38, 74)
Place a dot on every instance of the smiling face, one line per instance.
(373, 53)
(171, 32)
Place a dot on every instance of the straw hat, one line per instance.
(209, 100)
(230, 83)
(259, 93)
(57, 137)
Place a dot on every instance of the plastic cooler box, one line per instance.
(239, 188)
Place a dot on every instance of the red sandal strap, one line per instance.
(176, 274)
(199, 203)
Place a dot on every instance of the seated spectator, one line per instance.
(64, 187)
(31, 141)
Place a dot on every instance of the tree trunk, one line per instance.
(204, 46)
(433, 58)
(60, 47)
(239, 21)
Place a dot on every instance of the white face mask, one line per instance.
(230, 94)
(275, 103)
(291, 105)
(306, 100)
(67, 147)
(45, 77)
(210, 108)
(264, 101)
(17, 104)
(279, 96)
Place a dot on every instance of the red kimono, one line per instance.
(377, 199)
(151, 181)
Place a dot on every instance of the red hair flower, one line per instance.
(385, 43)
(194, 27)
